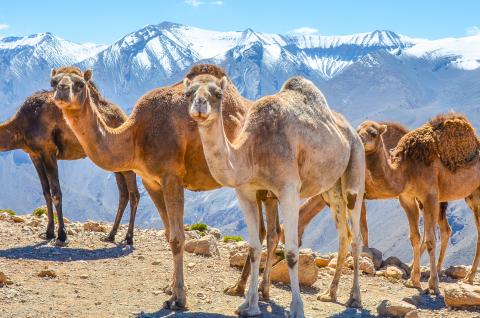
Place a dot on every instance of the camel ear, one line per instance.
(53, 72)
(186, 82)
(223, 83)
(382, 129)
(87, 75)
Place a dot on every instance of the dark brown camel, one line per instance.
(39, 129)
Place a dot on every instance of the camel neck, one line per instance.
(10, 135)
(104, 145)
(227, 162)
(387, 178)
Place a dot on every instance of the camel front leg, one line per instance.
(239, 288)
(445, 233)
(473, 202)
(42, 175)
(247, 201)
(174, 203)
(122, 204)
(273, 230)
(134, 197)
(430, 217)
(410, 207)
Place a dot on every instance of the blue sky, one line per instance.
(106, 21)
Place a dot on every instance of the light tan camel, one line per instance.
(38, 128)
(292, 145)
(437, 162)
(159, 141)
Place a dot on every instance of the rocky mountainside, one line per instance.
(90, 277)
(378, 75)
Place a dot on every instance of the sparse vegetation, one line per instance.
(9, 211)
(40, 211)
(200, 227)
(232, 238)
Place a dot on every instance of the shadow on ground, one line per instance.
(45, 252)
(269, 310)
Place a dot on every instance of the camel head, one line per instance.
(70, 87)
(205, 93)
(371, 133)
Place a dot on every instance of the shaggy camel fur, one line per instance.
(421, 170)
(292, 145)
(38, 128)
(159, 141)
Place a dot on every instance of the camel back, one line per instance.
(449, 137)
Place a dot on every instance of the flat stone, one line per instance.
(389, 308)
(461, 295)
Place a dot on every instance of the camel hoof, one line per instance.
(248, 312)
(128, 241)
(432, 291)
(61, 243)
(234, 291)
(109, 238)
(354, 303)
(174, 306)
(327, 297)
(468, 279)
(411, 284)
(265, 295)
(47, 236)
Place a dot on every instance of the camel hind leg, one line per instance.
(473, 201)
(122, 204)
(134, 197)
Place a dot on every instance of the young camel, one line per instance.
(159, 141)
(38, 128)
(437, 162)
(292, 145)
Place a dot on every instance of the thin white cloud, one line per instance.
(473, 30)
(198, 3)
(4, 26)
(304, 31)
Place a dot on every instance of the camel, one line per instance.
(160, 142)
(38, 128)
(294, 146)
(437, 162)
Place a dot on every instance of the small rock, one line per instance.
(4, 280)
(215, 232)
(457, 272)
(389, 308)
(91, 226)
(84, 276)
(156, 263)
(395, 261)
(322, 261)
(462, 295)
(412, 314)
(333, 263)
(375, 255)
(206, 246)
(394, 272)
(18, 219)
(157, 292)
(307, 271)
(47, 273)
(34, 223)
(191, 265)
(365, 264)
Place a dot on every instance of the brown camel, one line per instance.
(38, 128)
(437, 162)
(159, 141)
(294, 146)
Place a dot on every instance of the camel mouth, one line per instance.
(199, 117)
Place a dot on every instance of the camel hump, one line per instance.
(305, 87)
(449, 137)
(210, 69)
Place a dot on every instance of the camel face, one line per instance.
(370, 132)
(205, 93)
(70, 89)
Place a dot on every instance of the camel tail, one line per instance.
(354, 177)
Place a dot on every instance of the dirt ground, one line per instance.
(100, 279)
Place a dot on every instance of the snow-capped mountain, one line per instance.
(379, 75)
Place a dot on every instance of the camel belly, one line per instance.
(458, 185)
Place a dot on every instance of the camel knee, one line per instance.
(134, 197)
(254, 252)
(430, 244)
(176, 244)
(56, 196)
(351, 200)
(292, 258)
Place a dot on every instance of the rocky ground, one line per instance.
(92, 278)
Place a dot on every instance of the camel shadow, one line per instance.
(426, 301)
(275, 311)
(309, 290)
(44, 252)
(353, 313)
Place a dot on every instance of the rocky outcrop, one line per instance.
(307, 270)
(205, 246)
(462, 295)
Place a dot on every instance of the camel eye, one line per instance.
(53, 83)
(189, 93)
(373, 132)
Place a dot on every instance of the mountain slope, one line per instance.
(379, 75)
